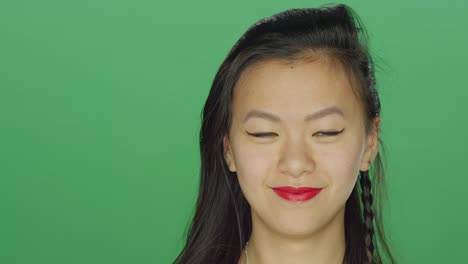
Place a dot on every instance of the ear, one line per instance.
(228, 157)
(372, 145)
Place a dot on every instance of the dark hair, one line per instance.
(222, 221)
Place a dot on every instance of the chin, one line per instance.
(295, 233)
(298, 229)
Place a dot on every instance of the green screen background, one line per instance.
(100, 107)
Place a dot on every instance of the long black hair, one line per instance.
(222, 224)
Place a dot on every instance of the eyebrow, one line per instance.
(319, 114)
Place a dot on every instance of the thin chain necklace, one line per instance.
(246, 255)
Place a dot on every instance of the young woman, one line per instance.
(290, 130)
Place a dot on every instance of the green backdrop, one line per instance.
(100, 107)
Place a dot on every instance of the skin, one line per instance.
(296, 155)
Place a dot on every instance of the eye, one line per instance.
(320, 134)
(262, 134)
(329, 133)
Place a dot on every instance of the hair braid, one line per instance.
(368, 214)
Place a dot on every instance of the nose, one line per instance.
(296, 158)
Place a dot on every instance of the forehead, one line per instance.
(293, 89)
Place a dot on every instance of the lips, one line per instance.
(294, 194)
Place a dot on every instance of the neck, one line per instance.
(326, 245)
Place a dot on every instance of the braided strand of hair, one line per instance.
(368, 214)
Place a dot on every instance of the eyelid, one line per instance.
(267, 134)
(261, 134)
(331, 133)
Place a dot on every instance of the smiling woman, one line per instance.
(290, 129)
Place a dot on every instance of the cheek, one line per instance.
(253, 164)
(335, 165)
(342, 168)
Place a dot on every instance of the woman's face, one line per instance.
(296, 153)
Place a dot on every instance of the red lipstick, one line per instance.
(296, 194)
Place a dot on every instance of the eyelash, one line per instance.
(325, 133)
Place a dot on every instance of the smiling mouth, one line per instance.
(294, 194)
